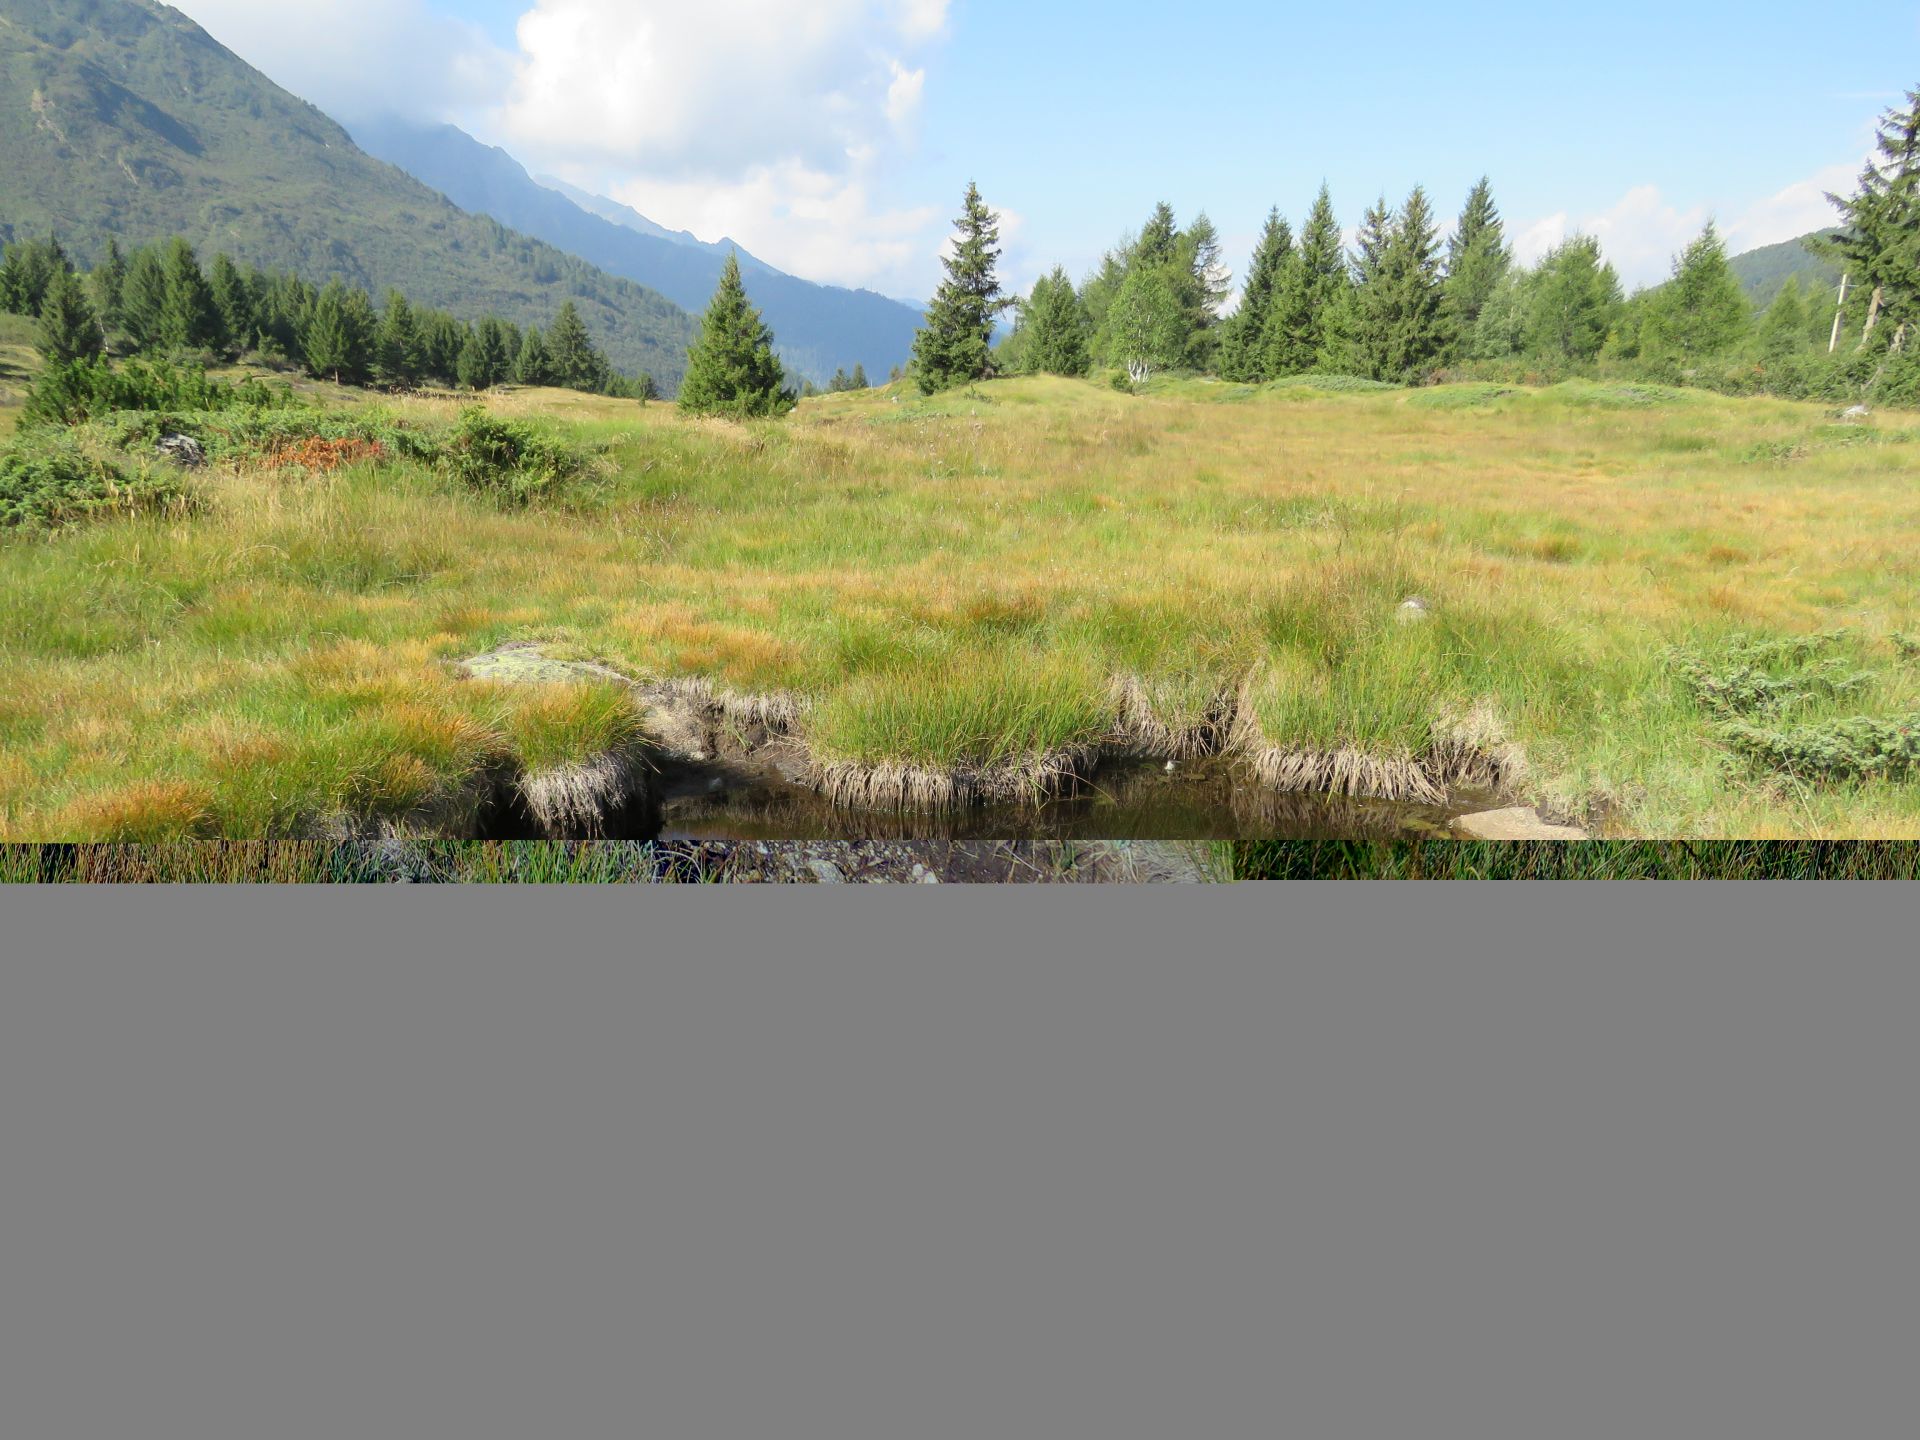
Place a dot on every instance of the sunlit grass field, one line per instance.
(985, 577)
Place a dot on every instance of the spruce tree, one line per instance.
(188, 318)
(858, 380)
(338, 335)
(1309, 312)
(577, 364)
(143, 300)
(1477, 259)
(955, 345)
(68, 329)
(484, 359)
(1701, 312)
(839, 383)
(1159, 241)
(234, 302)
(1243, 345)
(397, 356)
(1401, 331)
(106, 285)
(731, 368)
(13, 278)
(1057, 339)
(1880, 244)
(1207, 283)
(1783, 329)
(535, 365)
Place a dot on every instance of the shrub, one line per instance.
(53, 482)
(1858, 748)
(84, 390)
(1753, 677)
(509, 459)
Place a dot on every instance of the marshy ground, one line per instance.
(972, 595)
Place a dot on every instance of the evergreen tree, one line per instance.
(27, 273)
(484, 360)
(68, 329)
(1159, 242)
(731, 368)
(1147, 324)
(1574, 301)
(859, 378)
(338, 336)
(644, 388)
(233, 301)
(577, 364)
(535, 365)
(1208, 282)
(1243, 346)
(188, 318)
(441, 339)
(1477, 259)
(1054, 339)
(1880, 244)
(839, 382)
(1700, 313)
(397, 353)
(143, 300)
(1783, 329)
(107, 283)
(1400, 328)
(955, 345)
(1310, 312)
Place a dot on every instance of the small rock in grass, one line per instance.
(1414, 609)
(1519, 823)
(183, 449)
(1858, 412)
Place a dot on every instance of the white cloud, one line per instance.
(827, 227)
(359, 57)
(719, 88)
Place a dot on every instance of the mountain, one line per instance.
(626, 215)
(819, 328)
(1763, 272)
(123, 118)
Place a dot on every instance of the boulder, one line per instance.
(182, 449)
(1518, 823)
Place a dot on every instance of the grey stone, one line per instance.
(183, 449)
(1518, 823)
(1858, 412)
(1414, 609)
(826, 872)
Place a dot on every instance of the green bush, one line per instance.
(511, 460)
(87, 389)
(51, 481)
(1858, 748)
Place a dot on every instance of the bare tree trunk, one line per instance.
(1873, 314)
(1899, 339)
(1840, 310)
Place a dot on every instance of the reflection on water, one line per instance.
(1140, 801)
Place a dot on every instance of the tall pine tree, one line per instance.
(1702, 312)
(68, 329)
(1056, 339)
(1880, 244)
(106, 285)
(1243, 343)
(1477, 259)
(188, 317)
(1401, 332)
(1308, 316)
(577, 362)
(955, 345)
(731, 368)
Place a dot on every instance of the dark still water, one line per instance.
(1205, 800)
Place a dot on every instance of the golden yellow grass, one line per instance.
(990, 577)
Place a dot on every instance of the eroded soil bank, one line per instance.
(728, 769)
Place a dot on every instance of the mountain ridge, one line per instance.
(818, 328)
(125, 119)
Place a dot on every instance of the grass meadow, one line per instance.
(990, 576)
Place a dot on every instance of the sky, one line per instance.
(835, 138)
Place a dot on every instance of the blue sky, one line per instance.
(835, 137)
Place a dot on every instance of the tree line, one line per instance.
(159, 301)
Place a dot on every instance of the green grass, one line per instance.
(1591, 860)
(980, 577)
